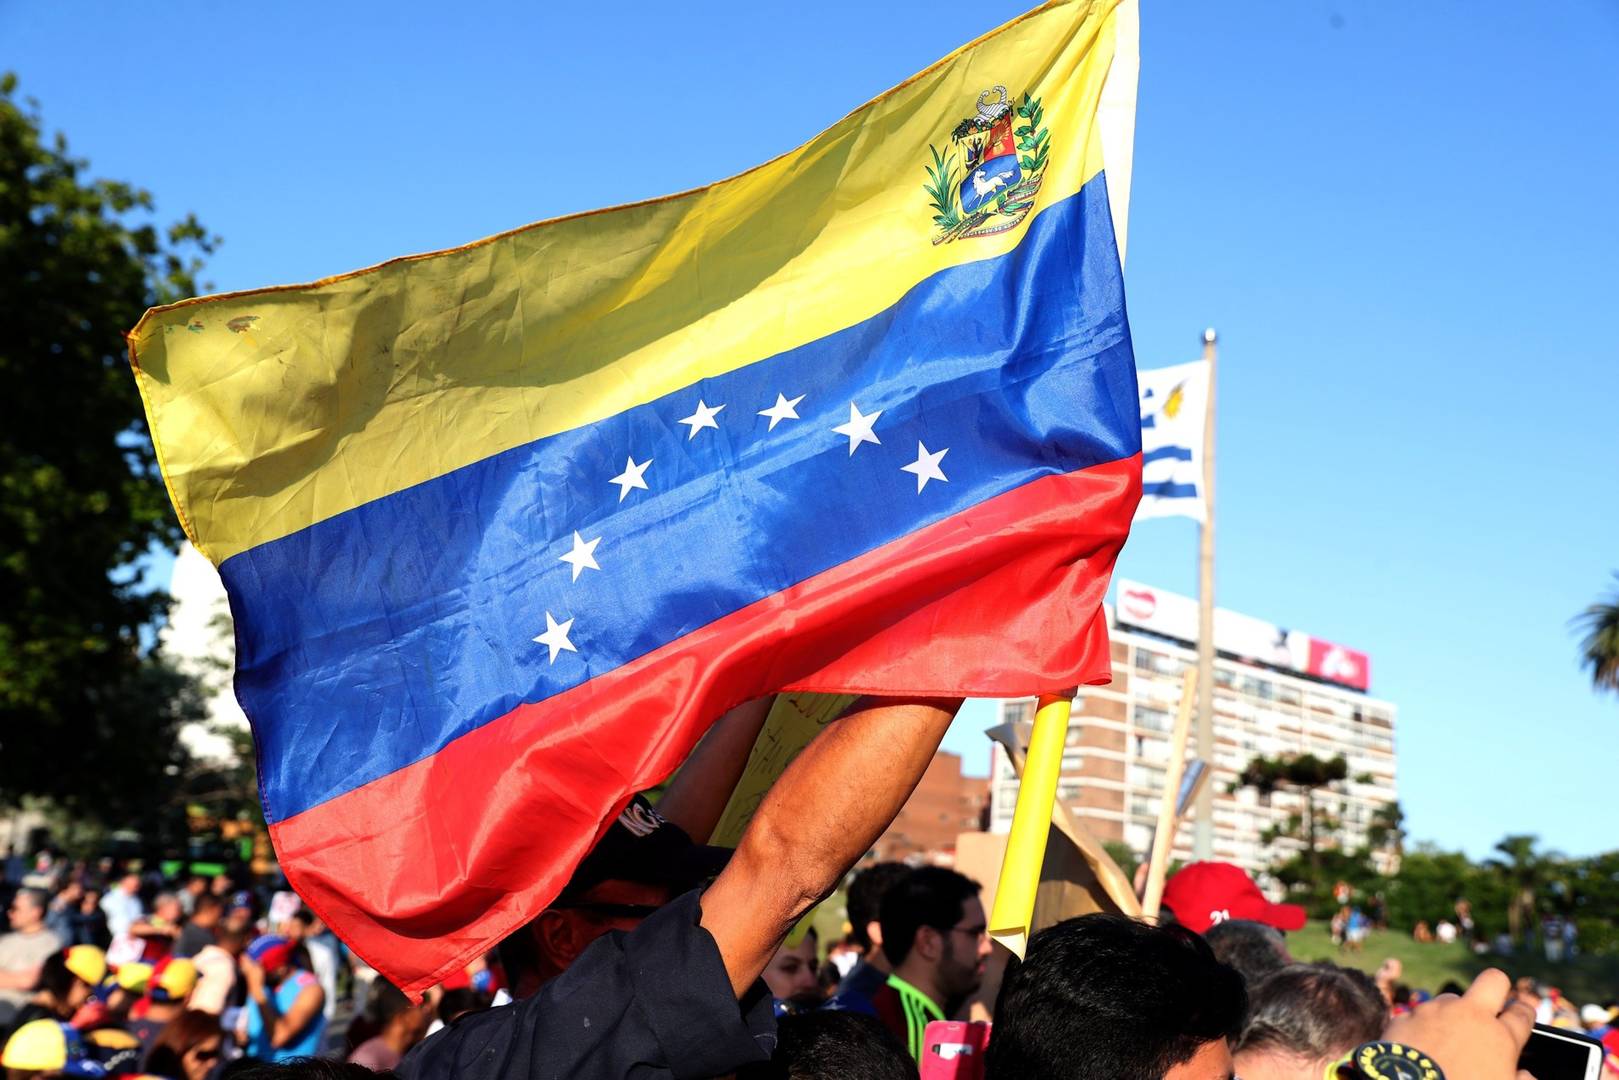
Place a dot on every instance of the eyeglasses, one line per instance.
(608, 911)
(977, 933)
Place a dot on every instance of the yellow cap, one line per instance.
(134, 976)
(172, 980)
(112, 1039)
(42, 1046)
(88, 963)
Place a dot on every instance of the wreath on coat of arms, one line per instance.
(991, 188)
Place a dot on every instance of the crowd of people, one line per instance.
(107, 973)
(664, 956)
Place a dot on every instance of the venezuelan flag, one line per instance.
(505, 527)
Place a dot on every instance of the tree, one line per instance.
(89, 708)
(1304, 774)
(1599, 651)
(1526, 873)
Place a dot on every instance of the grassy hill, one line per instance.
(1428, 966)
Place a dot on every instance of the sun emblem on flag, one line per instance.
(986, 179)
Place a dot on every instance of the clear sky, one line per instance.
(1401, 218)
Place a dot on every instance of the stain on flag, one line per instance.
(506, 527)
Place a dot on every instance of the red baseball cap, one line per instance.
(1206, 893)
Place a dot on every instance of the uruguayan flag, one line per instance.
(1172, 407)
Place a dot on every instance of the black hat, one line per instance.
(645, 847)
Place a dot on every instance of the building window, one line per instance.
(1151, 719)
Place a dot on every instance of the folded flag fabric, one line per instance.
(1173, 406)
(505, 527)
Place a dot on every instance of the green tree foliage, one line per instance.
(1599, 651)
(1306, 775)
(88, 708)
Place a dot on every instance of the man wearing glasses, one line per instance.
(935, 938)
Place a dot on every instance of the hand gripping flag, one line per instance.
(505, 527)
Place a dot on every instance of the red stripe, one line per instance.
(425, 868)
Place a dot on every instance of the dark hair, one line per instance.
(1314, 1010)
(307, 1068)
(1103, 995)
(519, 956)
(305, 916)
(385, 1002)
(206, 902)
(1402, 994)
(180, 1035)
(226, 936)
(865, 897)
(1453, 987)
(458, 1002)
(1254, 949)
(928, 896)
(833, 1045)
(55, 978)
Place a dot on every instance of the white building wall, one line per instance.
(199, 638)
(1257, 712)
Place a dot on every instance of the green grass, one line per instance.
(1427, 967)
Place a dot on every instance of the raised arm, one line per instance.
(696, 797)
(824, 813)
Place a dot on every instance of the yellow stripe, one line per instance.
(278, 408)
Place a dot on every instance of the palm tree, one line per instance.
(1600, 649)
(1525, 872)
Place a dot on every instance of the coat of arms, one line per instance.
(986, 180)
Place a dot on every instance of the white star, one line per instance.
(633, 476)
(859, 428)
(583, 555)
(782, 410)
(555, 637)
(926, 466)
(702, 418)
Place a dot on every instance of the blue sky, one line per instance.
(1401, 219)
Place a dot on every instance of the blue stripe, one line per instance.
(1168, 489)
(371, 640)
(1166, 453)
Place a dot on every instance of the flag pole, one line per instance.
(1203, 836)
(1163, 842)
(1031, 824)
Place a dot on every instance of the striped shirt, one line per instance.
(905, 1011)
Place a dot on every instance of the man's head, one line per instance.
(274, 954)
(865, 903)
(641, 863)
(1254, 949)
(1206, 893)
(1306, 1016)
(27, 910)
(130, 883)
(172, 981)
(790, 975)
(233, 939)
(207, 909)
(396, 1019)
(833, 1046)
(934, 937)
(1103, 995)
(166, 908)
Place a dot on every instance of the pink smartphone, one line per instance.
(954, 1049)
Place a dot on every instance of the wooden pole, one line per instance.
(1164, 840)
(1203, 836)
